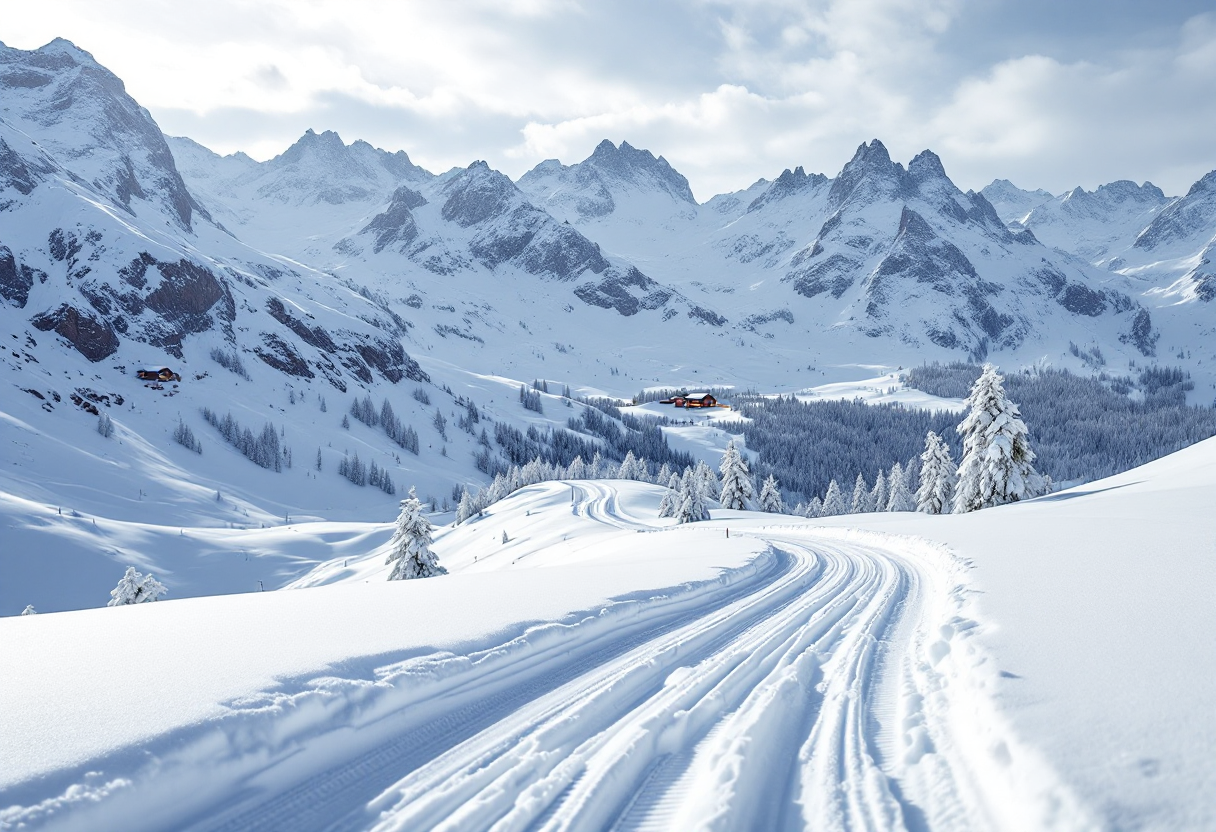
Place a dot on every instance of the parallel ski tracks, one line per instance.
(772, 709)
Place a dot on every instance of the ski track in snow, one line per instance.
(819, 691)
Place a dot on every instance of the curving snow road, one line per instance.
(817, 696)
(831, 685)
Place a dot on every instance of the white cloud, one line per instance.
(727, 91)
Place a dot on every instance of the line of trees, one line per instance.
(997, 466)
(404, 435)
(263, 449)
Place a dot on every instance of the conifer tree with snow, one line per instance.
(29, 610)
(135, 588)
(671, 500)
(937, 476)
(833, 502)
(861, 496)
(410, 547)
(466, 509)
(577, 469)
(711, 486)
(736, 491)
(692, 498)
(901, 495)
(770, 497)
(997, 465)
(629, 467)
(814, 508)
(880, 496)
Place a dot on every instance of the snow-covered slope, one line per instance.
(1041, 684)
(1090, 225)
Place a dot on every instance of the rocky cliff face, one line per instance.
(81, 114)
(154, 280)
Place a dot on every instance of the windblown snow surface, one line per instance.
(1046, 665)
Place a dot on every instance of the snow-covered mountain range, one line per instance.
(880, 264)
(344, 270)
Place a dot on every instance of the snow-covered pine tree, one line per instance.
(901, 496)
(736, 491)
(671, 500)
(466, 509)
(596, 471)
(833, 502)
(134, 588)
(861, 496)
(629, 467)
(814, 508)
(411, 544)
(937, 476)
(710, 485)
(692, 499)
(770, 496)
(577, 469)
(664, 474)
(799, 510)
(997, 464)
(29, 610)
(127, 590)
(880, 496)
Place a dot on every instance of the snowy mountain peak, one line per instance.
(81, 114)
(790, 182)
(640, 168)
(1011, 202)
(869, 176)
(925, 167)
(611, 179)
(479, 194)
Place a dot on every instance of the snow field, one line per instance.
(229, 682)
(810, 682)
(1097, 601)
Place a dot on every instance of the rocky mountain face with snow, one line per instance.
(103, 245)
(323, 258)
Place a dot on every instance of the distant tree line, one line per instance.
(1090, 428)
(263, 449)
(1081, 428)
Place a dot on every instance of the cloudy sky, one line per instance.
(1045, 93)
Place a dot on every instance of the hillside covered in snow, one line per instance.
(338, 325)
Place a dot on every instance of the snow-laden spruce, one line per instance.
(736, 491)
(860, 503)
(900, 498)
(29, 610)
(880, 496)
(770, 497)
(997, 461)
(671, 500)
(937, 477)
(135, 588)
(833, 502)
(411, 544)
(692, 497)
(711, 486)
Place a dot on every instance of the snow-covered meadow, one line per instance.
(1048, 667)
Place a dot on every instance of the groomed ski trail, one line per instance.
(830, 687)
